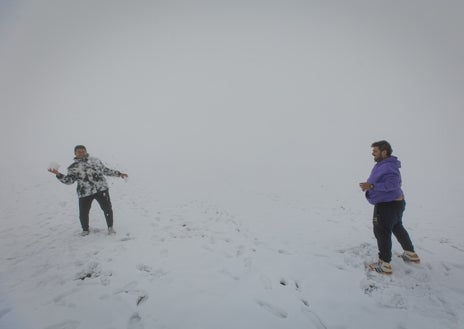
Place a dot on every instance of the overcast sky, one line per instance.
(272, 90)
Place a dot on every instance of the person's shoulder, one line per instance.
(73, 165)
(393, 160)
(391, 163)
(93, 159)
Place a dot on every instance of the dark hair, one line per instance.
(79, 147)
(383, 146)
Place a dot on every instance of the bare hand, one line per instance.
(54, 171)
(123, 175)
(365, 186)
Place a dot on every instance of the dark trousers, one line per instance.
(103, 199)
(388, 219)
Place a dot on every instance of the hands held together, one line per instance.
(366, 186)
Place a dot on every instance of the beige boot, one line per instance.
(410, 256)
(381, 267)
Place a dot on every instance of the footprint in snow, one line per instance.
(284, 282)
(131, 289)
(69, 324)
(4, 311)
(141, 299)
(144, 268)
(92, 270)
(155, 274)
(127, 238)
(284, 252)
(275, 310)
(135, 322)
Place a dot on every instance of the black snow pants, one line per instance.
(388, 219)
(103, 199)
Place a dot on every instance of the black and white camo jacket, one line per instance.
(89, 173)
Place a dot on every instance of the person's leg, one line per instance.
(382, 230)
(104, 200)
(84, 208)
(398, 229)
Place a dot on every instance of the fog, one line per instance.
(283, 96)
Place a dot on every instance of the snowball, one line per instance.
(54, 165)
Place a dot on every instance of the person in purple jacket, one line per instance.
(383, 190)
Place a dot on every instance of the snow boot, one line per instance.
(381, 267)
(410, 256)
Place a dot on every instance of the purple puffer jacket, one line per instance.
(386, 178)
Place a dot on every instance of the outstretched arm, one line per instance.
(109, 172)
(65, 179)
(54, 171)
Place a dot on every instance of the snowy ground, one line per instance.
(248, 260)
(245, 129)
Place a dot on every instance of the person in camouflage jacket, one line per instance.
(89, 173)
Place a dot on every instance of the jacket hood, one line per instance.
(391, 161)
